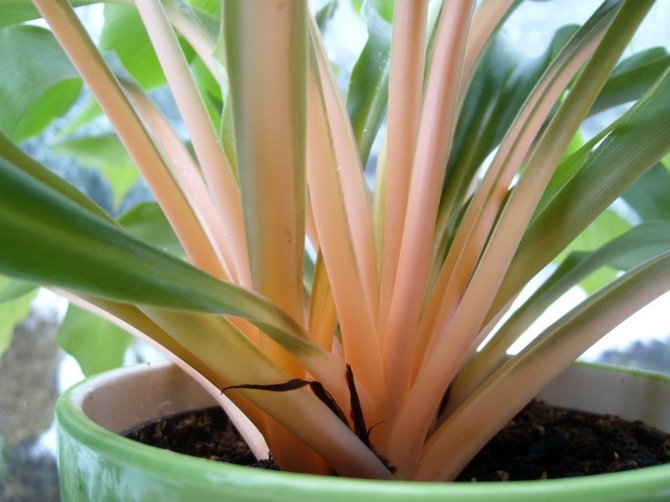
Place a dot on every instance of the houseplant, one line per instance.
(341, 354)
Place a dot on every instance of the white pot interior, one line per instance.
(123, 399)
(633, 396)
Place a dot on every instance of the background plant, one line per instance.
(481, 181)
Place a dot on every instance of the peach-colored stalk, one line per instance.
(441, 365)
(73, 38)
(190, 180)
(438, 120)
(480, 216)
(189, 177)
(236, 361)
(215, 166)
(322, 313)
(510, 388)
(196, 35)
(268, 70)
(357, 203)
(310, 229)
(192, 29)
(355, 316)
(486, 19)
(266, 45)
(404, 109)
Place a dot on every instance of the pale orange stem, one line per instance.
(438, 120)
(481, 214)
(207, 145)
(357, 203)
(337, 245)
(72, 36)
(188, 176)
(404, 108)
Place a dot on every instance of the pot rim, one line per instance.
(177, 466)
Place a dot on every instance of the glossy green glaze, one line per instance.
(99, 465)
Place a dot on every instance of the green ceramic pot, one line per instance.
(96, 464)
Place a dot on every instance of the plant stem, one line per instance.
(72, 36)
(437, 123)
(215, 166)
(405, 97)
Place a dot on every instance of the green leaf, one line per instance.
(96, 344)
(632, 78)
(16, 307)
(502, 82)
(88, 112)
(357, 5)
(522, 376)
(148, 223)
(82, 251)
(632, 146)
(570, 165)
(210, 7)
(368, 87)
(15, 156)
(637, 246)
(666, 161)
(38, 82)
(604, 228)
(650, 195)
(210, 89)
(325, 14)
(382, 7)
(11, 289)
(124, 33)
(107, 154)
(19, 11)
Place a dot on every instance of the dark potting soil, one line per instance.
(203, 433)
(541, 442)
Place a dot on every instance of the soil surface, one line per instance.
(548, 442)
(204, 433)
(541, 442)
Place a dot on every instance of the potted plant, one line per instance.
(337, 321)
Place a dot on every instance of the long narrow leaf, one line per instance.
(437, 124)
(266, 47)
(509, 389)
(213, 162)
(189, 178)
(234, 361)
(648, 196)
(405, 98)
(14, 155)
(56, 242)
(484, 208)
(368, 86)
(80, 48)
(632, 78)
(345, 267)
(634, 144)
(349, 173)
(267, 74)
(442, 364)
(630, 250)
(134, 321)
